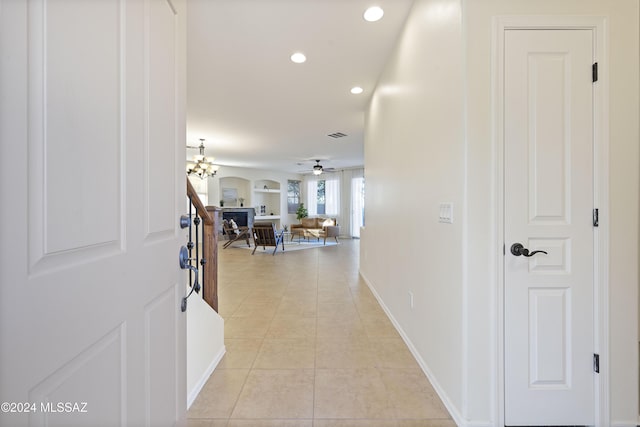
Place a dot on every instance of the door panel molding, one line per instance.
(62, 49)
(103, 363)
(161, 76)
(598, 26)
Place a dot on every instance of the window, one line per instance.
(357, 205)
(293, 196)
(321, 206)
(323, 197)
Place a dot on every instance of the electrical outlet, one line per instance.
(411, 299)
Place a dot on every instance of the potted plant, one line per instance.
(301, 212)
(241, 202)
(221, 203)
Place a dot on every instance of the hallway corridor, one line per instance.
(308, 345)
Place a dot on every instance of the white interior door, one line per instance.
(548, 185)
(92, 131)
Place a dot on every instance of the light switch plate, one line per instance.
(446, 213)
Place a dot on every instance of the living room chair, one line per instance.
(265, 234)
(331, 231)
(235, 233)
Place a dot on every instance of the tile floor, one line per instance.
(308, 345)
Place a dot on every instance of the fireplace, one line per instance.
(242, 216)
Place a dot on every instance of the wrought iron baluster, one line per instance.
(196, 221)
(203, 261)
(190, 242)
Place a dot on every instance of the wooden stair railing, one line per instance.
(209, 260)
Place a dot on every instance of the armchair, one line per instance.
(265, 234)
(235, 233)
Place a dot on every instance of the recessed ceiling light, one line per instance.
(374, 13)
(298, 58)
(356, 90)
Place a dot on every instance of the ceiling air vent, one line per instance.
(337, 135)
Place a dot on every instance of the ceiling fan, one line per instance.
(317, 168)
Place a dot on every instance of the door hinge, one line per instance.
(596, 218)
(596, 363)
(594, 72)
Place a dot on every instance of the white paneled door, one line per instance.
(92, 185)
(548, 197)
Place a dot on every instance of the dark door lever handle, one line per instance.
(517, 249)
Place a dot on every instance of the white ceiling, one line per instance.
(255, 108)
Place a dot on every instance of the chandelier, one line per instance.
(200, 165)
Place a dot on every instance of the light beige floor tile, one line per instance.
(393, 353)
(297, 296)
(335, 295)
(351, 393)
(292, 327)
(341, 327)
(344, 353)
(200, 422)
(306, 338)
(276, 394)
(228, 305)
(361, 290)
(302, 308)
(256, 310)
(245, 327)
(234, 289)
(340, 309)
(379, 327)
(303, 282)
(354, 423)
(206, 422)
(427, 423)
(271, 423)
(412, 395)
(240, 353)
(226, 311)
(273, 288)
(219, 394)
(330, 275)
(292, 353)
(369, 309)
(336, 286)
(263, 298)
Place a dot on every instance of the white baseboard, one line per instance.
(453, 411)
(205, 376)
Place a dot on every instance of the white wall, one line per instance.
(414, 157)
(429, 140)
(205, 344)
